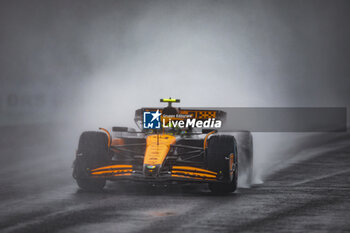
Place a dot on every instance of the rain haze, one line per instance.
(70, 66)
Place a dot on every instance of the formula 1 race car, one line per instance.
(168, 148)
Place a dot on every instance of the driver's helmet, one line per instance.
(169, 111)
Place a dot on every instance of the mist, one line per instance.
(87, 64)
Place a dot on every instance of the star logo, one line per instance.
(155, 115)
(151, 120)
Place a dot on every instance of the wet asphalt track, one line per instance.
(38, 195)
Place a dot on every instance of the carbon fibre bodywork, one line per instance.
(132, 159)
(168, 153)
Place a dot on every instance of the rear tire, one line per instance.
(92, 152)
(218, 159)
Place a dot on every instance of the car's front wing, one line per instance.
(175, 173)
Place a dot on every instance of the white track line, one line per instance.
(320, 177)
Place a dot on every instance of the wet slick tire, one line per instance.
(92, 152)
(91, 185)
(222, 158)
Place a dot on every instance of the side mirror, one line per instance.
(119, 129)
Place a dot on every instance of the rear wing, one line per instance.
(192, 113)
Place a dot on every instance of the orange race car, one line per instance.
(173, 145)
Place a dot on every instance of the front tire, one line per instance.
(92, 152)
(222, 157)
(91, 185)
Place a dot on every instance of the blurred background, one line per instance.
(68, 66)
(93, 62)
